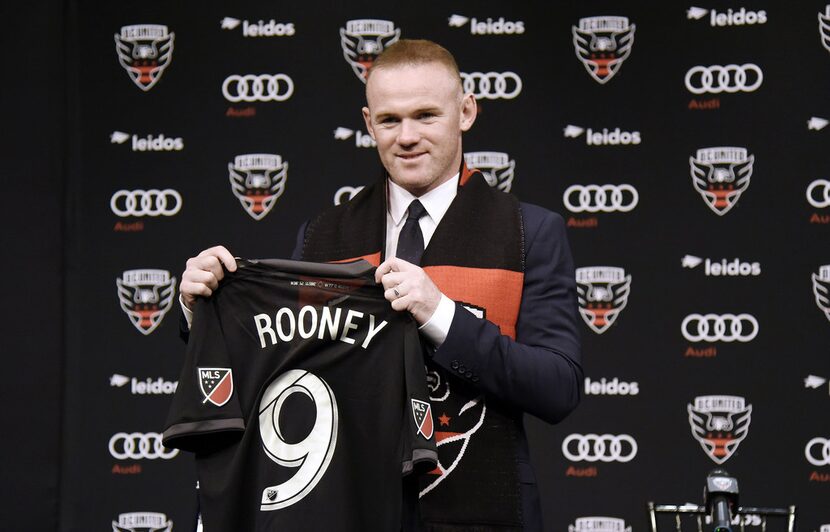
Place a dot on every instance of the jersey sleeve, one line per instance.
(205, 414)
(418, 432)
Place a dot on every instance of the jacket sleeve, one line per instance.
(540, 372)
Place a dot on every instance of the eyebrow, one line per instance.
(427, 109)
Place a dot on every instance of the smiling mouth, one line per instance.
(410, 156)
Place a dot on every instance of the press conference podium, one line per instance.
(690, 517)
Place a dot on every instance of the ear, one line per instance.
(469, 110)
(367, 117)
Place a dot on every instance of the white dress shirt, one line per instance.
(435, 202)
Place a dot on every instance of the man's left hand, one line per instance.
(409, 288)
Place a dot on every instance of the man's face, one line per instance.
(417, 114)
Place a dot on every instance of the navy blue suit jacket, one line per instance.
(540, 372)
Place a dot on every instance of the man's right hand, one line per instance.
(203, 273)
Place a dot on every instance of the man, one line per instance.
(489, 281)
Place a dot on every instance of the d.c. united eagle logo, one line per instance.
(496, 167)
(144, 50)
(602, 44)
(721, 175)
(146, 296)
(821, 289)
(720, 423)
(258, 180)
(363, 40)
(454, 430)
(602, 293)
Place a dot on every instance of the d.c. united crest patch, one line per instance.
(602, 293)
(363, 40)
(146, 295)
(602, 44)
(258, 180)
(144, 50)
(719, 423)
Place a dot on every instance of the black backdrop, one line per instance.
(79, 362)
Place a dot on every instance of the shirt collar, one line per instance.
(436, 201)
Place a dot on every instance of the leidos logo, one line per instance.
(606, 137)
(721, 175)
(602, 44)
(602, 292)
(147, 386)
(612, 387)
(824, 28)
(815, 382)
(146, 296)
(488, 27)
(497, 167)
(258, 180)
(713, 268)
(719, 423)
(272, 28)
(149, 143)
(817, 123)
(144, 50)
(361, 139)
(821, 289)
(599, 524)
(363, 40)
(740, 17)
(141, 522)
(345, 194)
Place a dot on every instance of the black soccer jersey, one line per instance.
(304, 397)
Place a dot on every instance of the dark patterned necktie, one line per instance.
(411, 239)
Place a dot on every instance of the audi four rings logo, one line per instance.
(818, 193)
(153, 202)
(138, 445)
(719, 327)
(600, 198)
(599, 447)
(727, 78)
(817, 451)
(492, 85)
(258, 88)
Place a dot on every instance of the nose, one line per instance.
(408, 133)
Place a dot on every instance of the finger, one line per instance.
(207, 263)
(190, 291)
(393, 279)
(206, 278)
(394, 292)
(400, 304)
(221, 253)
(384, 268)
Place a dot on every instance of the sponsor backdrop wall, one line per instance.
(685, 145)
